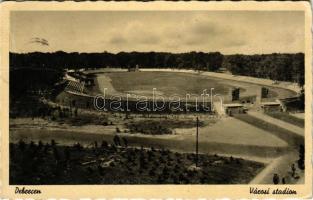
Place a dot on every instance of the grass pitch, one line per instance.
(177, 84)
(166, 83)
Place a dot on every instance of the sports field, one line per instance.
(177, 84)
(165, 83)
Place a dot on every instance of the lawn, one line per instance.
(38, 163)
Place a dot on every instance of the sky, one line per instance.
(229, 32)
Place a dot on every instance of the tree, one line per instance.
(215, 61)
(56, 154)
(21, 145)
(301, 160)
(281, 67)
(53, 143)
(275, 179)
(125, 141)
(67, 153)
(76, 112)
(40, 144)
(117, 140)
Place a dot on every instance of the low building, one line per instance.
(275, 106)
(234, 108)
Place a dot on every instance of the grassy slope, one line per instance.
(287, 118)
(288, 136)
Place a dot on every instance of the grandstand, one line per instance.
(76, 87)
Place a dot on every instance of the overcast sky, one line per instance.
(230, 32)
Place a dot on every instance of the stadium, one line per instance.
(243, 121)
(171, 91)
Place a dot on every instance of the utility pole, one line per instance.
(197, 142)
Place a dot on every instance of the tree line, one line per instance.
(60, 59)
(281, 67)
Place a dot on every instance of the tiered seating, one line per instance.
(74, 86)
